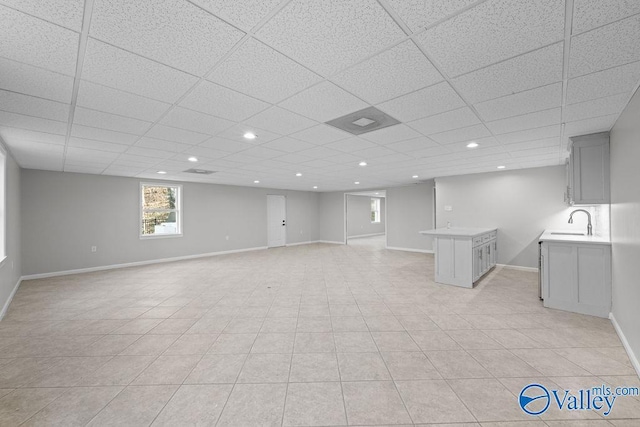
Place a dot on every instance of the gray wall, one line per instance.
(625, 222)
(11, 270)
(409, 210)
(331, 217)
(520, 203)
(64, 214)
(359, 216)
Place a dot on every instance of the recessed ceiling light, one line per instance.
(298, 174)
(362, 163)
(357, 182)
(501, 167)
(193, 159)
(250, 135)
(256, 182)
(414, 176)
(472, 144)
(315, 187)
(162, 172)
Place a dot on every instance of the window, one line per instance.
(375, 210)
(3, 204)
(160, 210)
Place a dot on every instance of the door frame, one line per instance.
(345, 212)
(284, 198)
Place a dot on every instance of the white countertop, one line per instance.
(457, 231)
(548, 237)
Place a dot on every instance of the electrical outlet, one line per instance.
(94, 249)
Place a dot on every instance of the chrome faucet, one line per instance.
(589, 227)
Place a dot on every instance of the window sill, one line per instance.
(159, 236)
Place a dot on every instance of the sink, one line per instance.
(558, 233)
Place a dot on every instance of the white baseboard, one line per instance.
(332, 242)
(303, 243)
(632, 356)
(422, 251)
(11, 295)
(365, 235)
(137, 263)
(517, 267)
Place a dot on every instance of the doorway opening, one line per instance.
(365, 218)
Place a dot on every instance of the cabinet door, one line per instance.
(493, 255)
(590, 169)
(486, 254)
(477, 263)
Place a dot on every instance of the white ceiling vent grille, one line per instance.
(200, 171)
(363, 121)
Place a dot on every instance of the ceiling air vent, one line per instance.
(363, 121)
(200, 171)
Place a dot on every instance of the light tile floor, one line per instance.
(306, 335)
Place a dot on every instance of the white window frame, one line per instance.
(178, 210)
(375, 210)
(3, 204)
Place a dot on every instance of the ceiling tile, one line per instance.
(412, 145)
(109, 100)
(529, 154)
(245, 14)
(103, 135)
(542, 98)
(32, 106)
(122, 171)
(201, 152)
(431, 152)
(97, 145)
(84, 168)
(288, 145)
(343, 158)
(388, 135)
(160, 144)
(319, 153)
(281, 121)
(37, 155)
(529, 145)
(127, 159)
(595, 124)
(467, 134)
(323, 102)
(351, 144)
(596, 107)
(259, 71)
(236, 133)
(295, 158)
(228, 145)
(149, 152)
(373, 152)
(460, 146)
(320, 134)
(461, 44)
(37, 124)
(588, 14)
(169, 133)
(126, 71)
(263, 152)
(79, 154)
(219, 101)
(530, 134)
(195, 121)
(534, 69)
(316, 164)
(23, 78)
(328, 35)
(605, 47)
(98, 119)
(178, 34)
(242, 158)
(616, 80)
(394, 72)
(67, 13)
(526, 121)
(418, 14)
(423, 103)
(36, 42)
(455, 119)
(14, 134)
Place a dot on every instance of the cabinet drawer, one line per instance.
(486, 238)
(493, 235)
(477, 241)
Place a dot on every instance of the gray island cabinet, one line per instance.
(463, 255)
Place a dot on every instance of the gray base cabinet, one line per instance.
(577, 277)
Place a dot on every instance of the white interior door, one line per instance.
(276, 221)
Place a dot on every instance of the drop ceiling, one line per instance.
(129, 88)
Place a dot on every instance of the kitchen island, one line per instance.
(463, 255)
